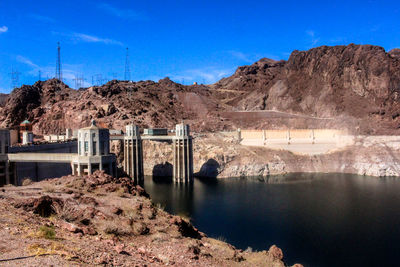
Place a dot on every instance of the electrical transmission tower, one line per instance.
(79, 81)
(14, 74)
(98, 80)
(58, 65)
(127, 76)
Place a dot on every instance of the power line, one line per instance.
(127, 75)
(98, 80)
(58, 64)
(79, 81)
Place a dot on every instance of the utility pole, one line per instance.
(14, 74)
(127, 75)
(58, 64)
(40, 76)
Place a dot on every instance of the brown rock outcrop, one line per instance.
(354, 81)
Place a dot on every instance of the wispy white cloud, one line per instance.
(87, 38)
(42, 18)
(27, 61)
(206, 75)
(241, 56)
(122, 13)
(94, 39)
(3, 29)
(314, 40)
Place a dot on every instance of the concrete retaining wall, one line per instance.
(40, 171)
(293, 135)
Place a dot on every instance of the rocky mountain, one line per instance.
(355, 87)
(52, 106)
(357, 82)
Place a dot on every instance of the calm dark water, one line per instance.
(316, 219)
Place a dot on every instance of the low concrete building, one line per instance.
(93, 152)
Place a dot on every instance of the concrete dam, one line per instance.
(89, 153)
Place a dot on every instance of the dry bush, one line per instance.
(132, 214)
(54, 249)
(221, 238)
(185, 216)
(140, 228)
(249, 250)
(76, 183)
(159, 206)
(26, 181)
(67, 213)
(49, 188)
(121, 192)
(115, 227)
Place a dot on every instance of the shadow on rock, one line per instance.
(209, 171)
(162, 173)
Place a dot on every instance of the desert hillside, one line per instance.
(100, 220)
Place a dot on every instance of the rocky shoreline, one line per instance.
(220, 156)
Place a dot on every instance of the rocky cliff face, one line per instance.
(52, 106)
(354, 81)
(221, 156)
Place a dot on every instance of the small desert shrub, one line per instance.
(184, 216)
(67, 213)
(249, 250)
(160, 206)
(120, 192)
(116, 228)
(221, 238)
(76, 183)
(49, 189)
(159, 237)
(140, 228)
(47, 232)
(132, 214)
(26, 181)
(54, 249)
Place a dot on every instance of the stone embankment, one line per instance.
(221, 155)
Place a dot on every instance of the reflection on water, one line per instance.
(317, 219)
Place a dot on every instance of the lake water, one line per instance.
(316, 219)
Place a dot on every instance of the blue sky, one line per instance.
(186, 40)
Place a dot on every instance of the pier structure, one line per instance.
(181, 146)
(93, 152)
(183, 154)
(133, 153)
